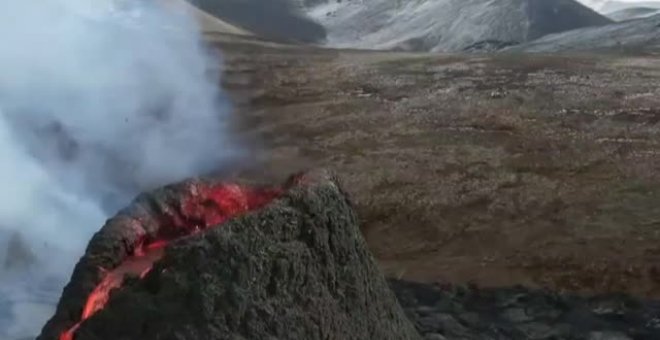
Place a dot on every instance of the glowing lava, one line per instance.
(203, 207)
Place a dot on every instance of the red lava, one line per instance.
(205, 206)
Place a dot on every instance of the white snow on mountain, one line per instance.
(446, 25)
(608, 6)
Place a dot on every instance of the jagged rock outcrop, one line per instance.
(297, 268)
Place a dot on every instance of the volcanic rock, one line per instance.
(296, 268)
(518, 313)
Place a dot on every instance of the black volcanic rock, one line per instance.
(517, 313)
(297, 268)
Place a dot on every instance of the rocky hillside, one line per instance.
(608, 6)
(446, 25)
(208, 23)
(274, 19)
(628, 36)
(632, 13)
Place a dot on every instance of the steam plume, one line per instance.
(98, 100)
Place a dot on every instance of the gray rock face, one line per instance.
(446, 25)
(296, 269)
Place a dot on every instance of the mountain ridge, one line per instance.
(633, 35)
(446, 25)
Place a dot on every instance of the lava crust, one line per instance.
(130, 243)
(294, 267)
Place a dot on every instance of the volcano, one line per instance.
(138, 236)
(209, 260)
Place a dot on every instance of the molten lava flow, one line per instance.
(203, 207)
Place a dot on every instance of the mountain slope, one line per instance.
(641, 34)
(632, 13)
(446, 25)
(207, 22)
(274, 19)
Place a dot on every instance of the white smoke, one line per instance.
(98, 100)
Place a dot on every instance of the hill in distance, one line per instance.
(446, 25)
(272, 19)
(628, 36)
(632, 13)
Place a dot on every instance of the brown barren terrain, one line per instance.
(494, 170)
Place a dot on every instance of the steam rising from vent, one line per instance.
(98, 101)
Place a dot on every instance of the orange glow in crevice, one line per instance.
(204, 207)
